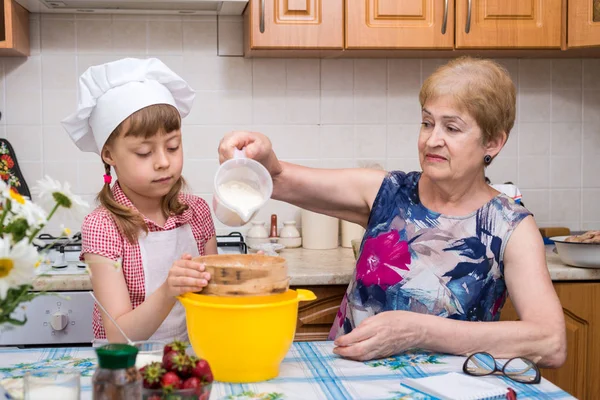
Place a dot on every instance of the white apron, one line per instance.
(159, 251)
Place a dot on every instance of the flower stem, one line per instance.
(34, 234)
(3, 217)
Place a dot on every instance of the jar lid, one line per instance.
(116, 356)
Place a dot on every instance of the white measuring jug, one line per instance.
(242, 186)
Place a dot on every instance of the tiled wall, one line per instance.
(327, 113)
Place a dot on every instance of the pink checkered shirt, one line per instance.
(100, 236)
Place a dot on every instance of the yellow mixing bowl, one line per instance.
(244, 339)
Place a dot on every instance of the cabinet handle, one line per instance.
(468, 26)
(445, 22)
(262, 16)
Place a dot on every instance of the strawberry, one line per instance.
(176, 345)
(178, 363)
(170, 380)
(151, 374)
(193, 383)
(201, 369)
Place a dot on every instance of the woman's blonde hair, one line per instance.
(146, 123)
(483, 88)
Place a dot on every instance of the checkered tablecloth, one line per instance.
(309, 371)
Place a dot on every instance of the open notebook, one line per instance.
(457, 386)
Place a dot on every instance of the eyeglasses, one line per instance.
(518, 369)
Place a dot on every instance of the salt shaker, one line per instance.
(257, 234)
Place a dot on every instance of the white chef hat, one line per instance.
(109, 93)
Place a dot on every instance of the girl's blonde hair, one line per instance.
(483, 88)
(146, 123)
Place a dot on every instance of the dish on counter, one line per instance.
(577, 254)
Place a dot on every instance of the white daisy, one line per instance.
(53, 194)
(17, 264)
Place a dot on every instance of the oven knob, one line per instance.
(59, 321)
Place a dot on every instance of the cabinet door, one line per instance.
(399, 24)
(584, 23)
(583, 327)
(316, 317)
(294, 24)
(508, 24)
(14, 29)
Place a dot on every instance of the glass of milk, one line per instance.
(242, 187)
(50, 384)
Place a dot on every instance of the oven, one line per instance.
(65, 317)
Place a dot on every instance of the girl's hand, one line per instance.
(257, 147)
(186, 276)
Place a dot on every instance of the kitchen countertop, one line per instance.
(320, 267)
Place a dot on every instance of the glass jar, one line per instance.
(116, 377)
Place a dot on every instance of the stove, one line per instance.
(65, 318)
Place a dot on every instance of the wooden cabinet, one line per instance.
(577, 376)
(508, 24)
(584, 23)
(294, 24)
(393, 24)
(316, 317)
(14, 29)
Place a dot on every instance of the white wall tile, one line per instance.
(591, 101)
(402, 141)
(338, 163)
(336, 141)
(90, 176)
(230, 36)
(200, 175)
(58, 146)
(404, 74)
(295, 141)
(534, 105)
(23, 107)
(58, 35)
(269, 107)
(565, 172)
(370, 107)
(201, 141)
(504, 169)
(511, 147)
(565, 205)
(370, 74)
(566, 139)
(32, 172)
(217, 73)
(337, 107)
(538, 202)
(591, 161)
(566, 74)
(269, 73)
(23, 73)
(429, 65)
(591, 66)
(534, 139)
(222, 107)
(129, 36)
(34, 35)
(337, 74)
(303, 74)
(94, 36)
(403, 164)
(165, 37)
(566, 105)
(534, 172)
(57, 105)
(403, 107)
(59, 71)
(66, 171)
(535, 74)
(26, 141)
(591, 199)
(302, 107)
(371, 141)
(200, 37)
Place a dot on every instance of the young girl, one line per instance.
(130, 114)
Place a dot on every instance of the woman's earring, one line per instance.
(487, 159)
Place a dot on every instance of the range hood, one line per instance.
(185, 7)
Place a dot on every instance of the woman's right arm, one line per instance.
(343, 193)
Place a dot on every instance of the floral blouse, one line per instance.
(415, 259)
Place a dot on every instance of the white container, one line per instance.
(257, 234)
(351, 231)
(289, 235)
(319, 232)
(235, 209)
(583, 255)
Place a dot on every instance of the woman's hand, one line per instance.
(186, 276)
(257, 147)
(381, 336)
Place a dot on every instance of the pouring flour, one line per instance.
(242, 187)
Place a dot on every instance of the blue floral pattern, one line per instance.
(415, 259)
(413, 358)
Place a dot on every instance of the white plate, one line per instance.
(585, 255)
(268, 248)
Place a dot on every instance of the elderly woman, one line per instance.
(442, 248)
